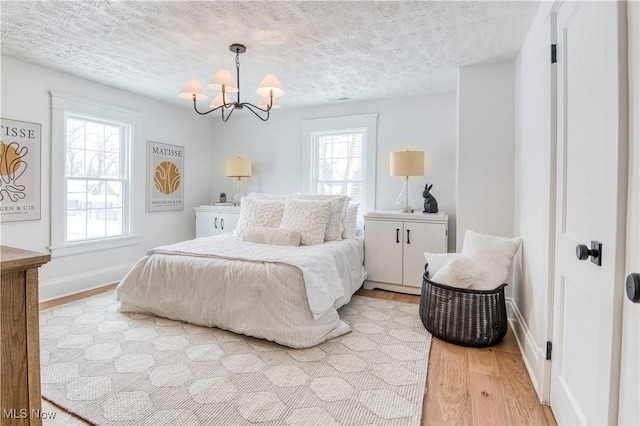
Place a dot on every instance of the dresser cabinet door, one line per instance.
(420, 238)
(228, 221)
(207, 224)
(383, 251)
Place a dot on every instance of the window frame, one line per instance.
(367, 124)
(63, 107)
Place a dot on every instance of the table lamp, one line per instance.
(406, 163)
(238, 168)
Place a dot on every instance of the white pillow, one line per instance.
(272, 236)
(339, 203)
(461, 272)
(494, 253)
(308, 217)
(266, 197)
(436, 261)
(259, 213)
(350, 222)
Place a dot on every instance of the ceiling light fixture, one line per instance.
(222, 81)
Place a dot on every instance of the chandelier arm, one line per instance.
(250, 108)
(250, 105)
(195, 107)
(228, 115)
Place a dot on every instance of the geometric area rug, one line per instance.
(132, 369)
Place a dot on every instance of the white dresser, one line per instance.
(214, 220)
(394, 246)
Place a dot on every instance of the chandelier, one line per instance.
(222, 81)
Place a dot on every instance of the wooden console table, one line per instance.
(20, 402)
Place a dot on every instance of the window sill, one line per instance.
(71, 249)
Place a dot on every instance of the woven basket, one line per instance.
(476, 318)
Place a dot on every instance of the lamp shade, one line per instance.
(270, 85)
(217, 101)
(193, 87)
(238, 167)
(407, 163)
(224, 79)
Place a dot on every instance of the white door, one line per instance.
(418, 239)
(591, 197)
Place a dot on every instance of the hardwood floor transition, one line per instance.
(465, 386)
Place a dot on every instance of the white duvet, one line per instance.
(286, 294)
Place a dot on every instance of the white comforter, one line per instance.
(285, 294)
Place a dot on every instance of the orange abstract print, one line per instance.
(167, 177)
(12, 167)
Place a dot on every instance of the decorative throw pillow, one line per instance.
(493, 253)
(272, 236)
(259, 213)
(350, 222)
(461, 272)
(308, 217)
(339, 203)
(435, 261)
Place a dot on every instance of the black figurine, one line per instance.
(430, 203)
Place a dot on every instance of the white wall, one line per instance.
(534, 196)
(25, 96)
(419, 122)
(486, 144)
(629, 407)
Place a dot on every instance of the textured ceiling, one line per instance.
(320, 51)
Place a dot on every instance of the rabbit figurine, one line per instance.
(430, 203)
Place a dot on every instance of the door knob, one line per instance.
(595, 252)
(633, 287)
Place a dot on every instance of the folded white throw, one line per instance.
(272, 236)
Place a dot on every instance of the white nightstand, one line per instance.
(394, 244)
(214, 220)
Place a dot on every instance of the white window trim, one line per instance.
(60, 104)
(366, 122)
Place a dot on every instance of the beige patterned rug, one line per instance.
(131, 369)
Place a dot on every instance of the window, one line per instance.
(341, 155)
(338, 163)
(96, 178)
(94, 188)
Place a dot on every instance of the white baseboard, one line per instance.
(72, 284)
(532, 354)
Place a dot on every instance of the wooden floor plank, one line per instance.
(447, 399)
(483, 361)
(522, 403)
(487, 399)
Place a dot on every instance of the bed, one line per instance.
(286, 294)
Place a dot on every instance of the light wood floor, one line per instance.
(465, 386)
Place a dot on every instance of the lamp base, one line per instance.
(237, 197)
(403, 200)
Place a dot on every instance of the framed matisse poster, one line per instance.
(165, 177)
(19, 170)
